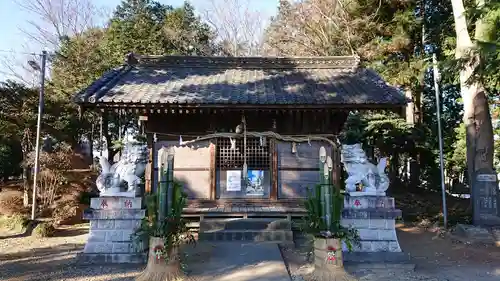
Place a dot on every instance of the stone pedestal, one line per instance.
(112, 222)
(374, 217)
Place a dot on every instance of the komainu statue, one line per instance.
(123, 177)
(360, 170)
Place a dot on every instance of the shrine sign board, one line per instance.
(485, 196)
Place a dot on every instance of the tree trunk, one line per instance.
(413, 116)
(26, 186)
(159, 269)
(477, 118)
(26, 148)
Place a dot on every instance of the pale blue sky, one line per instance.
(13, 19)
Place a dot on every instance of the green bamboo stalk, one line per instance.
(322, 192)
(170, 182)
(162, 194)
(317, 202)
(328, 199)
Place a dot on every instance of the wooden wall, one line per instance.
(298, 171)
(191, 167)
(289, 175)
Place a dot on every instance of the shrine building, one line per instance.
(261, 119)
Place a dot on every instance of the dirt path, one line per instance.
(436, 258)
(450, 260)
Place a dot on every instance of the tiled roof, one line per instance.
(327, 81)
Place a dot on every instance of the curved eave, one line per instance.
(236, 106)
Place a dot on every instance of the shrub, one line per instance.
(53, 171)
(12, 204)
(68, 212)
(15, 222)
(44, 229)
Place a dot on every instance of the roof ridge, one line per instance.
(98, 84)
(333, 62)
(106, 85)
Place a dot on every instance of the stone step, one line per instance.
(267, 224)
(474, 234)
(281, 236)
(106, 258)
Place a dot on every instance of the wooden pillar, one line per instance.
(148, 186)
(213, 171)
(337, 168)
(335, 121)
(274, 169)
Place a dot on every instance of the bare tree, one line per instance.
(15, 67)
(238, 28)
(311, 28)
(50, 22)
(477, 118)
(54, 20)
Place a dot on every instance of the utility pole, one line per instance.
(38, 127)
(440, 137)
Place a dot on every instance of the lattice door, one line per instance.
(258, 157)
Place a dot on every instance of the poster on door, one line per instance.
(233, 180)
(255, 183)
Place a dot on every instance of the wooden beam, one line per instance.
(238, 107)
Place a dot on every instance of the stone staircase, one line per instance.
(274, 230)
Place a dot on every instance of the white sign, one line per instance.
(233, 180)
(487, 177)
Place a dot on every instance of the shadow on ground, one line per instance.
(54, 258)
(207, 262)
(59, 263)
(235, 261)
(42, 252)
(70, 232)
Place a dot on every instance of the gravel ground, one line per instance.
(436, 259)
(30, 258)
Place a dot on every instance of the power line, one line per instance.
(20, 53)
